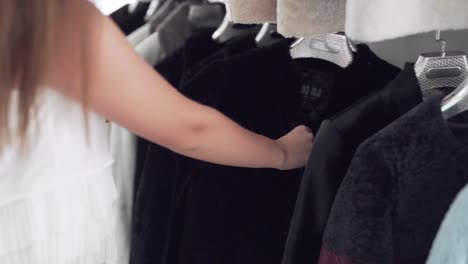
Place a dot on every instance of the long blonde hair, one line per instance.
(27, 30)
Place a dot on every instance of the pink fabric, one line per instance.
(329, 257)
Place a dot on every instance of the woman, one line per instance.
(64, 66)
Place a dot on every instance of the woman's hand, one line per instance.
(296, 146)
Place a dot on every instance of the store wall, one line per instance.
(399, 51)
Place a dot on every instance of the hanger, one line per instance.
(265, 36)
(336, 48)
(153, 8)
(223, 30)
(228, 30)
(456, 102)
(441, 69)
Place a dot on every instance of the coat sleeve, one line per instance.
(359, 229)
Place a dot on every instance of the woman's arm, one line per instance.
(126, 90)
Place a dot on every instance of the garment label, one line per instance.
(309, 91)
(315, 92)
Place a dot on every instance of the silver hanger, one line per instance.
(265, 35)
(456, 102)
(441, 69)
(336, 48)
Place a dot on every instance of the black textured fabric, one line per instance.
(196, 191)
(334, 147)
(187, 211)
(337, 88)
(198, 52)
(234, 215)
(172, 69)
(129, 22)
(398, 188)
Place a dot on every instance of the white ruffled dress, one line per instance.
(57, 198)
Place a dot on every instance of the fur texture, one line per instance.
(377, 20)
(295, 18)
(398, 188)
(366, 21)
(301, 18)
(251, 11)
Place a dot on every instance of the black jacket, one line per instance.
(189, 211)
(334, 147)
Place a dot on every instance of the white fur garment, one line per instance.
(251, 11)
(363, 20)
(295, 18)
(302, 18)
(377, 20)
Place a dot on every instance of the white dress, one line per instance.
(57, 197)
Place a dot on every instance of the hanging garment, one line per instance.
(57, 199)
(152, 221)
(123, 149)
(295, 18)
(160, 14)
(197, 47)
(160, 44)
(173, 68)
(206, 15)
(233, 215)
(184, 19)
(199, 229)
(337, 88)
(334, 147)
(130, 21)
(206, 203)
(400, 183)
(124, 145)
(201, 14)
(200, 21)
(137, 36)
(450, 245)
(378, 20)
